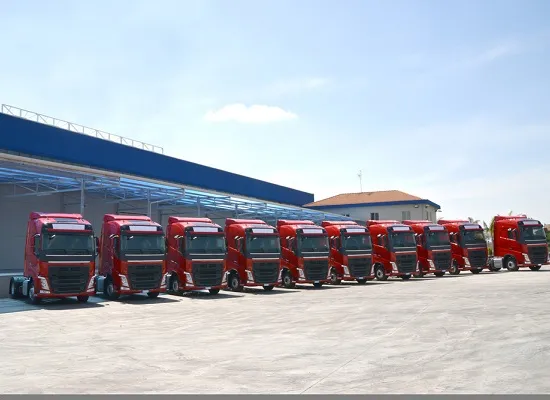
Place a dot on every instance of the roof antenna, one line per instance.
(360, 175)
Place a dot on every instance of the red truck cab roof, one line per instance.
(199, 225)
(255, 225)
(343, 226)
(420, 225)
(292, 226)
(134, 223)
(62, 222)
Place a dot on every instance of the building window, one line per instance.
(405, 215)
(374, 216)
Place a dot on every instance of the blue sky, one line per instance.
(445, 100)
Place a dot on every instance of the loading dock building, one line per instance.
(51, 165)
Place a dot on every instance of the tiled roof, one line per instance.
(365, 198)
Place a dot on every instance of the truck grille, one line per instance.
(68, 279)
(406, 263)
(265, 272)
(360, 266)
(478, 258)
(144, 277)
(316, 270)
(207, 274)
(442, 260)
(538, 254)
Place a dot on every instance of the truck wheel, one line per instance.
(454, 270)
(153, 295)
(535, 267)
(82, 299)
(361, 281)
(318, 285)
(380, 273)
(405, 277)
(268, 288)
(110, 290)
(175, 284)
(476, 271)
(439, 274)
(493, 269)
(14, 292)
(214, 291)
(32, 295)
(334, 277)
(511, 263)
(235, 283)
(287, 280)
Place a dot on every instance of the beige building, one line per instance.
(383, 205)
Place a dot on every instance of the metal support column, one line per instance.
(198, 207)
(149, 203)
(82, 192)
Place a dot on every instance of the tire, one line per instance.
(234, 283)
(380, 273)
(175, 284)
(439, 274)
(405, 277)
(511, 263)
(535, 267)
(153, 295)
(214, 291)
(109, 290)
(362, 281)
(476, 271)
(13, 292)
(334, 277)
(493, 269)
(454, 270)
(318, 285)
(268, 288)
(83, 299)
(32, 295)
(287, 280)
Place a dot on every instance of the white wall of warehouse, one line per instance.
(396, 212)
(14, 214)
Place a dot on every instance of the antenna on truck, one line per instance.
(360, 175)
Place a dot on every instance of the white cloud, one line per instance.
(255, 114)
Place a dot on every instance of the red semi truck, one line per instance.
(519, 242)
(253, 254)
(60, 253)
(305, 252)
(350, 252)
(433, 247)
(468, 246)
(394, 249)
(131, 257)
(196, 253)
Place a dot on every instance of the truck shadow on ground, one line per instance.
(9, 306)
(140, 299)
(324, 287)
(275, 291)
(355, 284)
(198, 295)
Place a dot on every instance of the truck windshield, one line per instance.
(533, 233)
(67, 243)
(263, 244)
(313, 243)
(473, 237)
(437, 238)
(356, 242)
(206, 244)
(143, 244)
(402, 240)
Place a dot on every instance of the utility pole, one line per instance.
(360, 175)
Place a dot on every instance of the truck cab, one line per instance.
(433, 247)
(394, 249)
(253, 254)
(60, 253)
(305, 253)
(468, 246)
(350, 252)
(520, 242)
(196, 253)
(131, 257)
